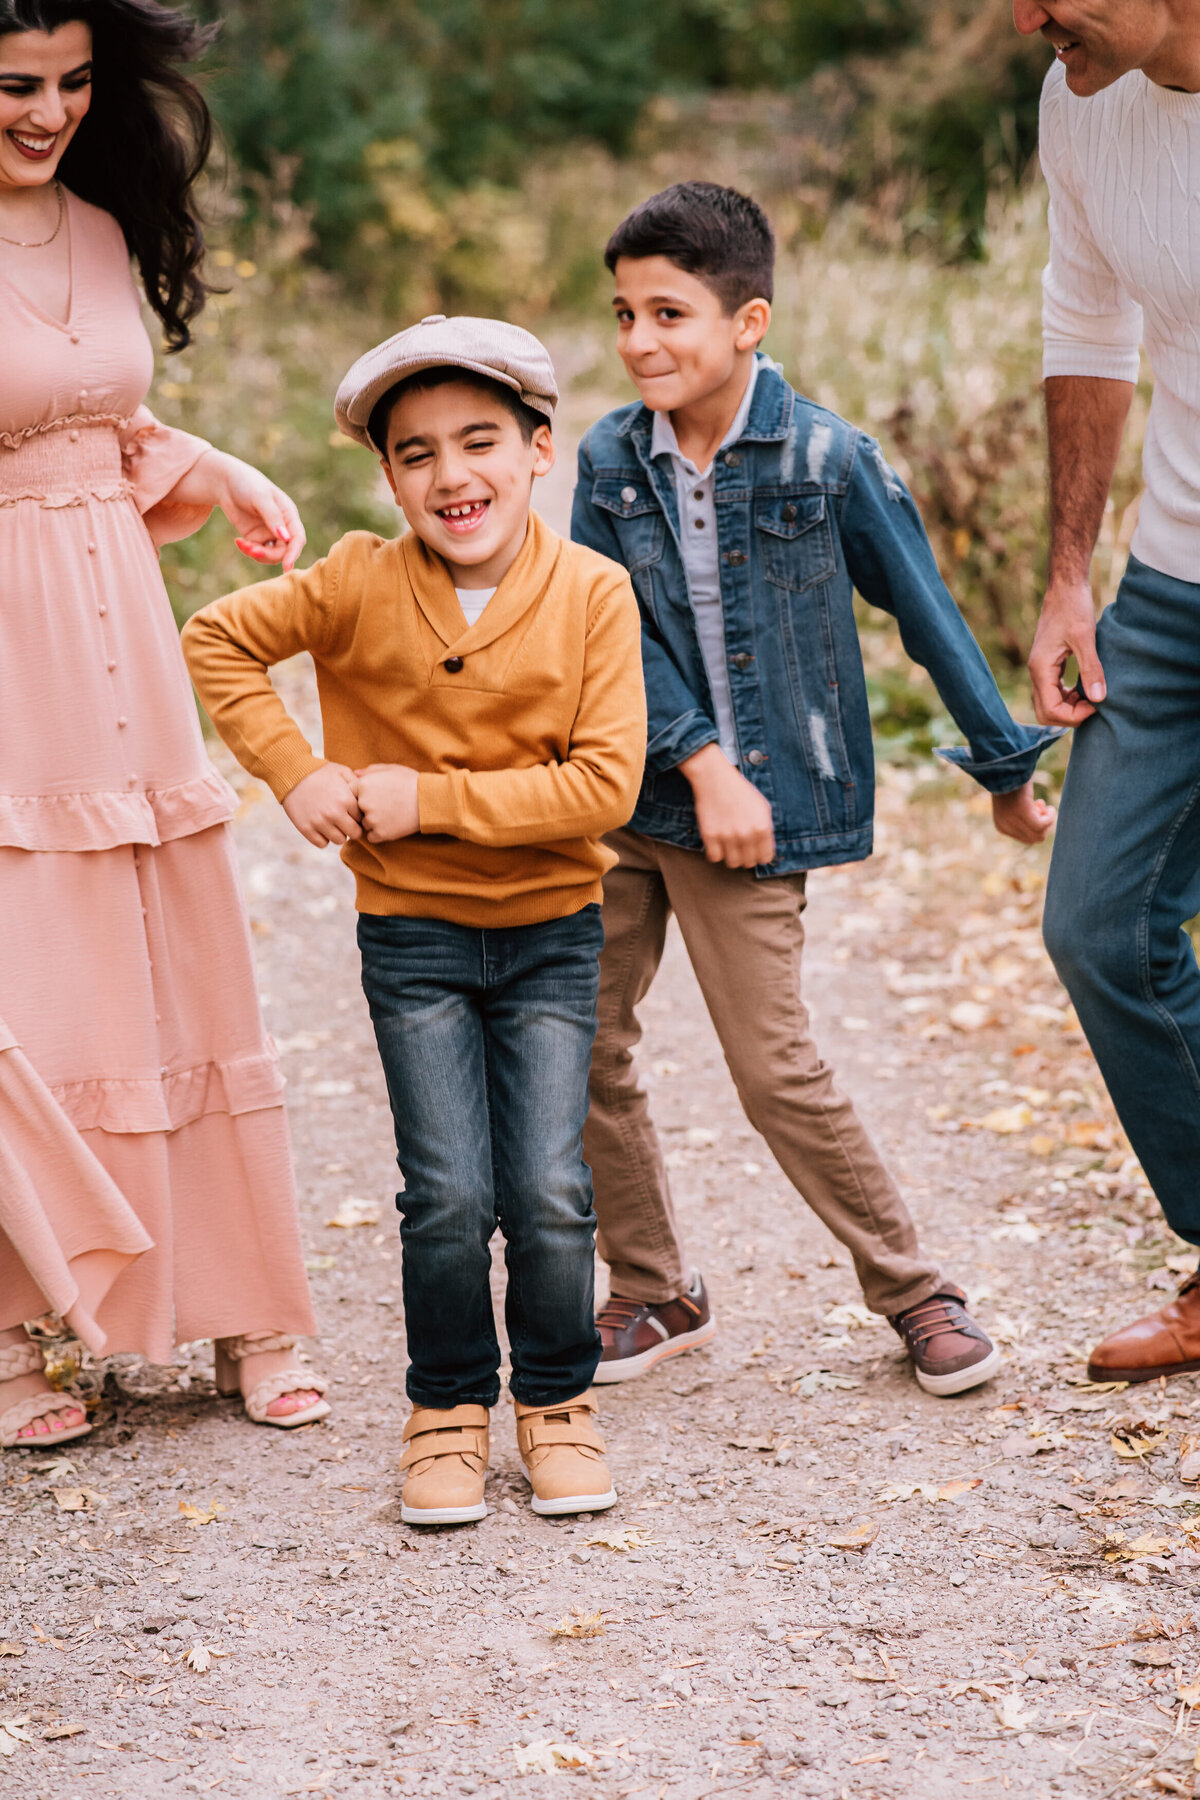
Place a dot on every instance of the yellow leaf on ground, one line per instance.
(1041, 1146)
(1005, 1120)
(631, 1538)
(1133, 1442)
(954, 1490)
(195, 1516)
(579, 1624)
(546, 1758)
(80, 1499)
(1089, 1134)
(351, 1213)
(62, 1731)
(857, 1536)
(10, 1649)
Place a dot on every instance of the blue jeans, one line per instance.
(1125, 877)
(486, 1039)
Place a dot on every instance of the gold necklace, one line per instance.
(40, 243)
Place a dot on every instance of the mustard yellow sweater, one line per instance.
(527, 729)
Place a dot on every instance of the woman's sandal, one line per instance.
(229, 1352)
(26, 1359)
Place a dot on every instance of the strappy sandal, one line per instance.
(26, 1359)
(229, 1352)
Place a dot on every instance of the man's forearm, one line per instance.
(1085, 417)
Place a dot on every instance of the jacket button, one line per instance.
(733, 459)
(789, 512)
(628, 495)
(757, 758)
(742, 660)
(735, 558)
(453, 664)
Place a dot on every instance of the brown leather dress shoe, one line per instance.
(1164, 1343)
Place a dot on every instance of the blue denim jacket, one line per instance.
(807, 511)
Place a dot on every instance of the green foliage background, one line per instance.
(388, 158)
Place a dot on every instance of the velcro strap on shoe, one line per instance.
(538, 1434)
(427, 1446)
(430, 1419)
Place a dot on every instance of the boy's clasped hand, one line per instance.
(336, 805)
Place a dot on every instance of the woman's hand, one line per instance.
(266, 520)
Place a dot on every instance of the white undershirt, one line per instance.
(1123, 170)
(473, 601)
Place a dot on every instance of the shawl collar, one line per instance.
(527, 580)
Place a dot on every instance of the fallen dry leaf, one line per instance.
(195, 1516)
(352, 1213)
(928, 1490)
(1170, 1784)
(819, 1380)
(1012, 1714)
(62, 1731)
(1117, 1548)
(80, 1499)
(200, 1656)
(857, 1536)
(579, 1624)
(969, 1015)
(546, 1758)
(7, 1648)
(1089, 1134)
(954, 1490)
(633, 1537)
(1132, 1442)
(1005, 1121)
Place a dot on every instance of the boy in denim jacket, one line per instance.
(746, 517)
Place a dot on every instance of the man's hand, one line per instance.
(324, 806)
(1018, 815)
(734, 818)
(387, 797)
(1066, 628)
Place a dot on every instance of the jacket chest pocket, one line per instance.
(637, 516)
(795, 540)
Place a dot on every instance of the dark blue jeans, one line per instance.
(486, 1039)
(1125, 877)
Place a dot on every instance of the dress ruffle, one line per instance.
(67, 1229)
(178, 1098)
(103, 820)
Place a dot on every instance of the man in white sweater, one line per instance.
(1120, 148)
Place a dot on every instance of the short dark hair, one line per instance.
(720, 236)
(527, 417)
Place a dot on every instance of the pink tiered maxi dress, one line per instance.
(146, 1188)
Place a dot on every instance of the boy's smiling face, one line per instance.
(678, 343)
(462, 474)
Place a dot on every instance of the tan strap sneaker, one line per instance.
(563, 1454)
(445, 1461)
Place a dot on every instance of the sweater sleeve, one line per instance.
(596, 788)
(1090, 325)
(231, 645)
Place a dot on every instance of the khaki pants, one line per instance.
(744, 937)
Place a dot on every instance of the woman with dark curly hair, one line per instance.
(146, 1190)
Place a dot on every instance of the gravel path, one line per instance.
(1016, 1617)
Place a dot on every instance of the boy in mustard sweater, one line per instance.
(484, 717)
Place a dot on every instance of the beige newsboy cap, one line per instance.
(488, 347)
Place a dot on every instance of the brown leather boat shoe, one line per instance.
(1164, 1343)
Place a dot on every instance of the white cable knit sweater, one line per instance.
(1124, 174)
